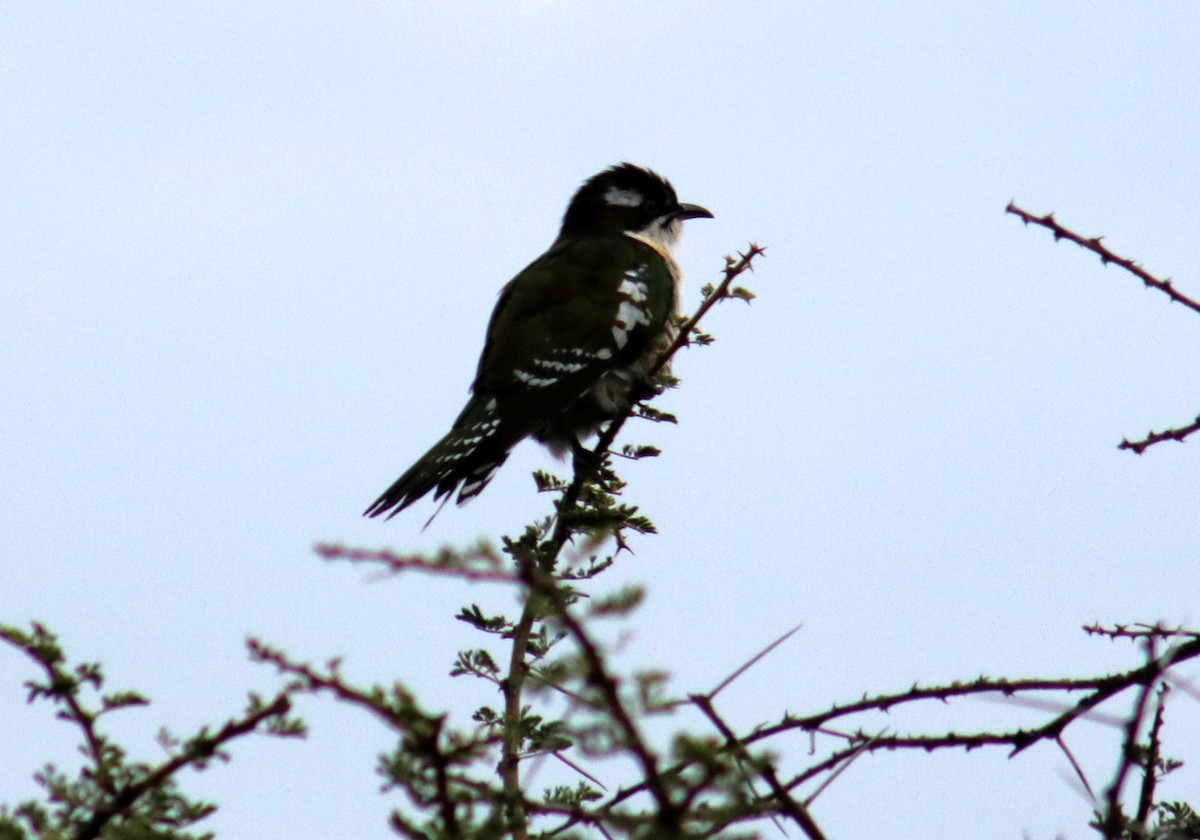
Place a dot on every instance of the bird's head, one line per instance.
(631, 200)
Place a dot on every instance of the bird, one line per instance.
(570, 338)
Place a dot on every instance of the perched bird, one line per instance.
(570, 336)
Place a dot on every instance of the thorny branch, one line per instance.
(198, 750)
(788, 806)
(1153, 757)
(676, 789)
(113, 795)
(1096, 245)
(1151, 438)
(1099, 689)
(481, 563)
(600, 678)
(547, 595)
(586, 466)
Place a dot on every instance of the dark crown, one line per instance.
(623, 197)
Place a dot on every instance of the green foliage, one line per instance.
(552, 694)
(112, 796)
(557, 695)
(1175, 821)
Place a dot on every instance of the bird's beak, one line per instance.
(692, 211)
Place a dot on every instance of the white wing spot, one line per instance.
(632, 287)
(630, 313)
(479, 478)
(561, 366)
(534, 381)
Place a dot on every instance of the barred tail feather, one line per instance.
(468, 455)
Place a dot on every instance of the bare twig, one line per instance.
(1087, 787)
(1113, 824)
(1096, 246)
(854, 755)
(1153, 756)
(1151, 438)
(741, 670)
(884, 702)
(788, 805)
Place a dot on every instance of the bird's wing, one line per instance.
(585, 307)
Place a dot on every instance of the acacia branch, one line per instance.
(197, 750)
(1153, 756)
(1100, 689)
(885, 702)
(1097, 247)
(1114, 818)
(1176, 434)
(606, 684)
(513, 686)
(587, 465)
(480, 563)
(765, 769)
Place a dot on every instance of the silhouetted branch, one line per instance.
(196, 751)
(1113, 824)
(1096, 246)
(481, 563)
(1153, 758)
(788, 806)
(1177, 434)
(113, 796)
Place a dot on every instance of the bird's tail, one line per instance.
(468, 455)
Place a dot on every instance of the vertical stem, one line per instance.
(510, 770)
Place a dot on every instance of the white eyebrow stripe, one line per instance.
(623, 198)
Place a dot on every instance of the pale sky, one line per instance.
(248, 251)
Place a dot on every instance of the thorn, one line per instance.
(619, 538)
